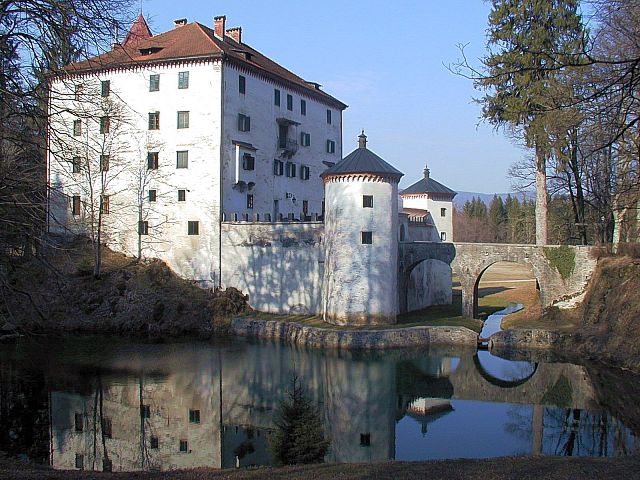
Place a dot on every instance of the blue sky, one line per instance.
(386, 60)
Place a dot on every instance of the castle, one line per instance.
(193, 147)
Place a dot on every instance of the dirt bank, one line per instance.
(58, 292)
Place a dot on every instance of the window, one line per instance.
(153, 195)
(76, 164)
(77, 128)
(242, 84)
(289, 102)
(305, 139)
(104, 163)
(329, 116)
(278, 167)
(184, 446)
(305, 207)
(107, 465)
(75, 205)
(154, 83)
(443, 212)
(244, 123)
(365, 439)
(183, 119)
(79, 461)
(105, 87)
(79, 422)
(249, 200)
(104, 199)
(443, 236)
(304, 172)
(106, 427)
(331, 146)
(143, 227)
(145, 411)
(367, 201)
(182, 159)
(303, 107)
(182, 195)
(154, 121)
(291, 169)
(153, 442)
(276, 97)
(367, 238)
(104, 124)
(193, 228)
(183, 80)
(152, 161)
(248, 162)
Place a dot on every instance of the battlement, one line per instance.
(235, 217)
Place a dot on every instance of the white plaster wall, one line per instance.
(429, 284)
(194, 257)
(426, 202)
(258, 104)
(280, 265)
(361, 280)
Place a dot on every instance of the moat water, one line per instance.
(105, 403)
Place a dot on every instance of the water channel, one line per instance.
(105, 403)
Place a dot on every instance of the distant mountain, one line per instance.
(461, 198)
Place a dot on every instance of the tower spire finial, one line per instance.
(427, 172)
(362, 140)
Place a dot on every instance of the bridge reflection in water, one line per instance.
(139, 407)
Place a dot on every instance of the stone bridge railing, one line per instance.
(560, 271)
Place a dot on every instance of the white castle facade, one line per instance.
(192, 147)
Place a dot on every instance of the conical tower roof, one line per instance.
(139, 31)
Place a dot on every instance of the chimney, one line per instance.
(235, 33)
(362, 140)
(426, 172)
(218, 24)
(180, 22)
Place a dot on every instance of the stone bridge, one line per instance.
(470, 260)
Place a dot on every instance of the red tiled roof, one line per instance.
(139, 31)
(195, 41)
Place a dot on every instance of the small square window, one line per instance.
(303, 107)
(329, 116)
(145, 411)
(278, 167)
(182, 159)
(193, 228)
(182, 195)
(291, 169)
(77, 128)
(443, 236)
(244, 123)
(304, 172)
(367, 201)
(331, 146)
(79, 461)
(305, 139)
(183, 119)
(153, 442)
(143, 227)
(276, 97)
(194, 416)
(105, 204)
(249, 200)
(104, 124)
(79, 422)
(242, 84)
(75, 205)
(289, 102)
(153, 195)
(104, 163)
(443, 212)
(248, 162)
(154, 121)
(105, 88)
(183, 80)
(365, 439)
(76, 164)
(152, 160)
(154, 83)
(367, 238)
(184, 446)
(106, 427)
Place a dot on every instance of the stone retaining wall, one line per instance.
(523, 339)
(353, 339)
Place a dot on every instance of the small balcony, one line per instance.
(288, 146)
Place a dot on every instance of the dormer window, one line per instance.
(149, 51)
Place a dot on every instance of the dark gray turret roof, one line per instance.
(362, 160)
(427, 185)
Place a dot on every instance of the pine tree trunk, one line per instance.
(541, 198)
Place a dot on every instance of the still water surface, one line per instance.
(104, 403)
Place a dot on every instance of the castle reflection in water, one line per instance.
(186, 405)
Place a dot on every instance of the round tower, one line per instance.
(361, 242)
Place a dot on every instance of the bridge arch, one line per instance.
(501, 382)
